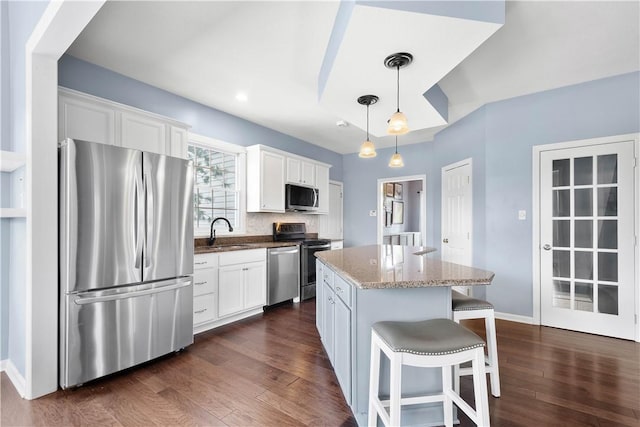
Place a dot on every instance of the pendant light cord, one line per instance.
(398, 89)
(396, 144)
(367, 122)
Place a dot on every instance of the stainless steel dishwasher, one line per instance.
(283, 272)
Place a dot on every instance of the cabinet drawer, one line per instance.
(242, 257)
(327, 276)
(204, 281)
(343, 290)
(204, 308)
(205, 261)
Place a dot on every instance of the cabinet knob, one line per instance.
(445, 240)
(201, 311)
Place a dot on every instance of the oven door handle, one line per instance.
(319, 247)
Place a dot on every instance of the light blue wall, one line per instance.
(499, 138)
(21, 19)
(85, 77)
(360, 192)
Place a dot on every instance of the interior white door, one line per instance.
(456, 214)
(587, 239)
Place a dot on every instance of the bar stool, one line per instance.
(428, 344)
(465, 307)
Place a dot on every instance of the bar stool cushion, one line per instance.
(461, 302)
(434, 337)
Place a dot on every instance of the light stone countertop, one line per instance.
(392, 266)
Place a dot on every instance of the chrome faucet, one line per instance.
(212, 236)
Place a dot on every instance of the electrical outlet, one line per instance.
(372, 212)
(522, 215)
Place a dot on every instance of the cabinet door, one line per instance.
(85, 120)
(178, 142)
(294, 174)
(272, 182)
(328, 319)
(335, 210)
(255, 285)
(322, 183)
(342, 348)
(319, 297)
(308, 173)
(143, 133)
(230, 290)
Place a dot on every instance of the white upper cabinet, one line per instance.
(86, 120)
(301, 171)
(89, 118)
(143, 133)
(268, 169)
(265, 180)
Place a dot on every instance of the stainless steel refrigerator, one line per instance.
(126, 258)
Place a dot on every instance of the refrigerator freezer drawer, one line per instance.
(107, 331)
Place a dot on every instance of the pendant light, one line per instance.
(396, 159)
(398, 122)
(367, 149)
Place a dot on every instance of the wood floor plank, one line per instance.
(271, 370)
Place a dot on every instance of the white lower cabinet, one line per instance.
(228, 286)
(335, 326)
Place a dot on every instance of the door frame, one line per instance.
(537, 151)
(467, 161)
(423, 207)
(60, 24)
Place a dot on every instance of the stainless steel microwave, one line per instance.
(301, 198)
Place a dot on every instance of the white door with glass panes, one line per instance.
(587, 239)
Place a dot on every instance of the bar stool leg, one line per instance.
(395, 389)
(480, 389)
(374, 380)
(447, 403)
(492, 350)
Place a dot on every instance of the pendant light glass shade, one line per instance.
(398, 124)
(396, 160)
(367, 150)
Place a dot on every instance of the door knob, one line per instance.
(547, 247)
(445, 240)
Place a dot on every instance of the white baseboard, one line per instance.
(16, 378)
(514, 318)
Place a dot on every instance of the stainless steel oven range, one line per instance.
(297, 232)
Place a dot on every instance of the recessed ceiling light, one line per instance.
(242, 97)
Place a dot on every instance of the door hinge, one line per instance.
(635, 319)
(468, 180)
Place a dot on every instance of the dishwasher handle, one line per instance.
(280, 252)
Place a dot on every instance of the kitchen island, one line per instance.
(357, 287)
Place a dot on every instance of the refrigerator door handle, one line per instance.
(149, 196)
(127, 295)
(139, 219)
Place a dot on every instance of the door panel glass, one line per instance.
(561, 172)
(561, 202)
(608, 234)
(583, 202)
(561, 233)
(608, 169)
(561, 294)
(608, 299)
(608, 266)
(583, 171)
(584, 265)
(583, 234)
(608, 201)
(561, 263)
(583, 296)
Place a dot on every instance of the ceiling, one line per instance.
(273, 53)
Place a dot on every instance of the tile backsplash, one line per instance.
(262, 223)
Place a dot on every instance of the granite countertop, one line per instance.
(392, 266)
(239, 243)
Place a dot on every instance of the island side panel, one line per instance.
(398, 304)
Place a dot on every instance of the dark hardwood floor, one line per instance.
(271, 370)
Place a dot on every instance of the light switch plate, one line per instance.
(522, 215)
(372, 213)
